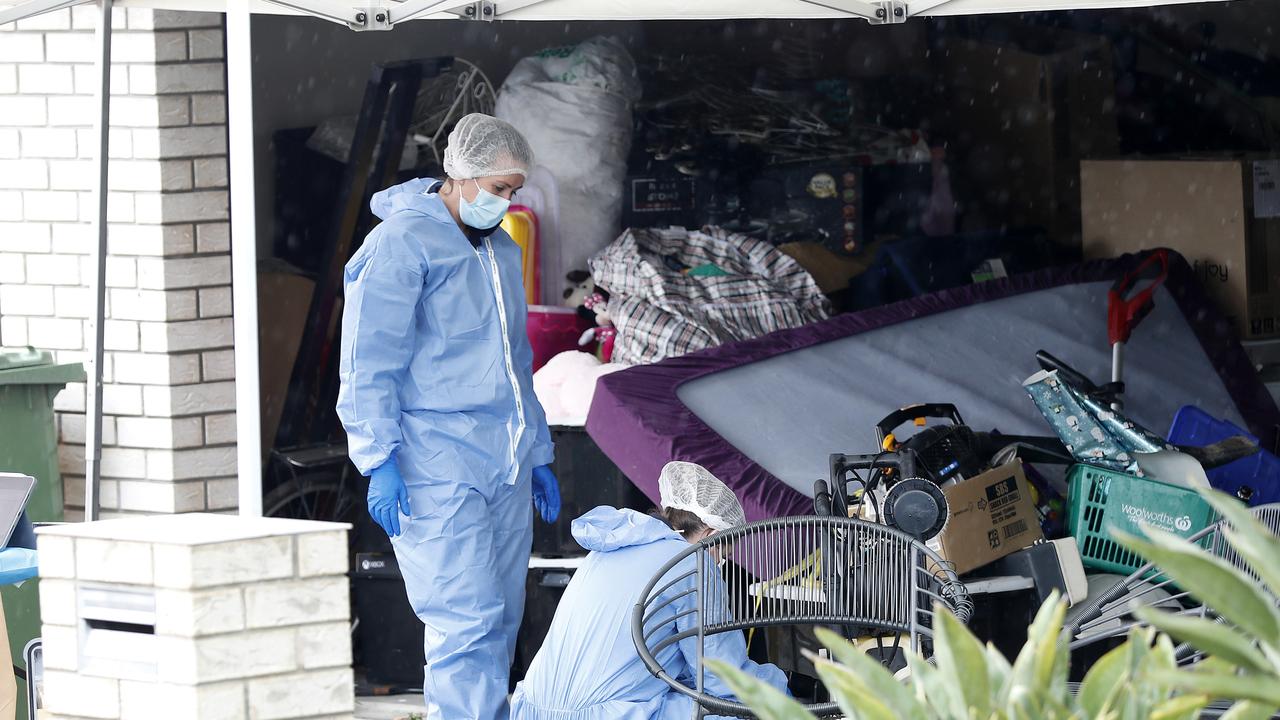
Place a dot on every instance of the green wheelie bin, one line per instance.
(29, 380)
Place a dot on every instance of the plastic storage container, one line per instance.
(522, 225)
(1254, 479)
(1102, 501)
(553, 330)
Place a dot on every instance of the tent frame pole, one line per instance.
(98, 282)
(244, 257)
(331, 10)
(410, 9)
(875, 12)
(31, 8)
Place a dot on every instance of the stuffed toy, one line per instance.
(566, 385)
(580, 287)
(604, 333)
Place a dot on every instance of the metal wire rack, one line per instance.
(445, 99)
(1110, 615)
(857, 577)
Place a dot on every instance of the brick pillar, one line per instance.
(169, 430)
(229, 618)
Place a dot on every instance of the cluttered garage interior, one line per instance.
(954, 334)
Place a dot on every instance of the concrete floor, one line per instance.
(391, 707)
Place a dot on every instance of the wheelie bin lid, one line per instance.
(28, 366)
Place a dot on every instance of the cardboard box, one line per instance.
(284, 301)
(1222, 215)
(1019, 120)
(992, 515)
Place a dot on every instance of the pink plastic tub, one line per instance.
(553, 330)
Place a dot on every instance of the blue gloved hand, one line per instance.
(546, 493)
(387, 496)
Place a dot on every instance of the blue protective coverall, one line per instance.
(436, 376)
(588, 667)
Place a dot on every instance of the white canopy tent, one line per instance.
(376, 15)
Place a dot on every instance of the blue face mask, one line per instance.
(485, 212)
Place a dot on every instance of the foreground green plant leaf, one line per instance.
(962, 661)
(1000, 675)
(1249, 711)
(1211, 580)
(879, 681)
(1184, 707)
(1102, 683)
(1036, 663)
(856, 698)
(1249, 537)
(1226, 687)
(1216, 639)
(763, 699)
(931, 688)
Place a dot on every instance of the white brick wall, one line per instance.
(24, 111)
(9, 137)
(25, 237)
(169, 433)
(48, 143)
(81, 695)
(88, 80)
(251, 622)
(150, 240)
(26, 174)
(46, 79)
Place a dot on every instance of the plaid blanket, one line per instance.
(662, 310)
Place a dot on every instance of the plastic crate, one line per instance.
(1101, 502)
(1254, 479)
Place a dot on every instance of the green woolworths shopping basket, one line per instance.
(1102, 501)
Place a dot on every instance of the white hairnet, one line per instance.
(484, 146)
(690, 487)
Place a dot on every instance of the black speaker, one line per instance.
(389, 637)
(588, 478)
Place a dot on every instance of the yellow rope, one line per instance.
(808, 570)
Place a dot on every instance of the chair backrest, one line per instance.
(1109, 615)
(831, 571)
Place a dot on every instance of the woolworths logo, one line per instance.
(1162, 520)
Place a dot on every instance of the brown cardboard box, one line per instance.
(1020, 120)
(284, 299)
(1222, 215)
(992, 515)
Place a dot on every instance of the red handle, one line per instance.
(1126, 304)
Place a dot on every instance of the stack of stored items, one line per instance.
(986, 514)
(785, 161)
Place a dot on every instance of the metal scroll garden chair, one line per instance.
(858, 577)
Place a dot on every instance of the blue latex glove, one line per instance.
(17, 565)
(546, 493)
(388, 496)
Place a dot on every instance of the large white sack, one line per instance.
(574, 106)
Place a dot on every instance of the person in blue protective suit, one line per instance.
(588, 667)
(437, 400)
